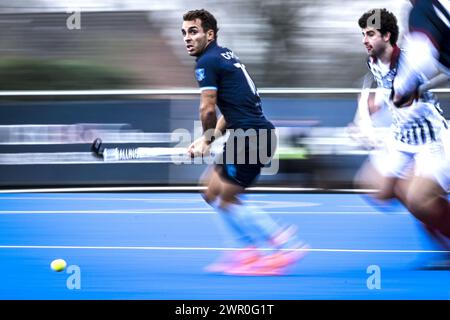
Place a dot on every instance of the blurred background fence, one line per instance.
(133, 44)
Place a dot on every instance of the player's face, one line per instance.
(195, 38)
(374, 41)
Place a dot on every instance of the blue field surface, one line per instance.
(155, 246)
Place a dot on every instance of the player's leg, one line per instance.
(235, 178)
(213, 185)
(211, 181)
(259, 225)
(368, 177)
(213, 196)
(250, 152)
(387, 172)
(397, 172)
(428, 202)
(233, 222)
(429, 205)
(432, 240)
(264, 230)
(427, 197)
(401, 188)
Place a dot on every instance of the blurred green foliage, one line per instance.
(44, 74)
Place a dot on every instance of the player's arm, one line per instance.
(366, 107)
(361, 129)
(208, 117)
(208, 113)
(405, 101)
(221, 127)
(420, 62)
(366, 104)
(208, 73)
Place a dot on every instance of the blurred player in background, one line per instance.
(427, 54)
(427, 48)
(416, 145)
(225, 82)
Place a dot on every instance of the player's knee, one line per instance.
(385, 194)
(229, 195)
(387, 189)
(209, 196)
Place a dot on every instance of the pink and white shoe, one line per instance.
(254, 269)
(285, 258)
(274, 264)
(232, 259)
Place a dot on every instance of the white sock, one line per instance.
(234, 224)
(258, 223)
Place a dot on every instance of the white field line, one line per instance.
(149, 248)
(168, 211)
(178, 189)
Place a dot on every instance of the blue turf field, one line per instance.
(154, 246)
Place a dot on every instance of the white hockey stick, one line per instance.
(119, 154)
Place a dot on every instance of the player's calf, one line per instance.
(427, 201)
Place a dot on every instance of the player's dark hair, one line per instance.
(207, 19)
(387, 23)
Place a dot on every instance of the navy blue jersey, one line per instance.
(433, 18)
(237, 97)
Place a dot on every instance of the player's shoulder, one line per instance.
(217, 57)
(210, 58)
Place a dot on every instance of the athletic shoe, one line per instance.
(274, 264)
(233, 258)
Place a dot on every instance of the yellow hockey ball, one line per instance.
(58, 265)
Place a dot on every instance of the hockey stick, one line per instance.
(118, 154)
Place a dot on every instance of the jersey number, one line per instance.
(247, 76)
